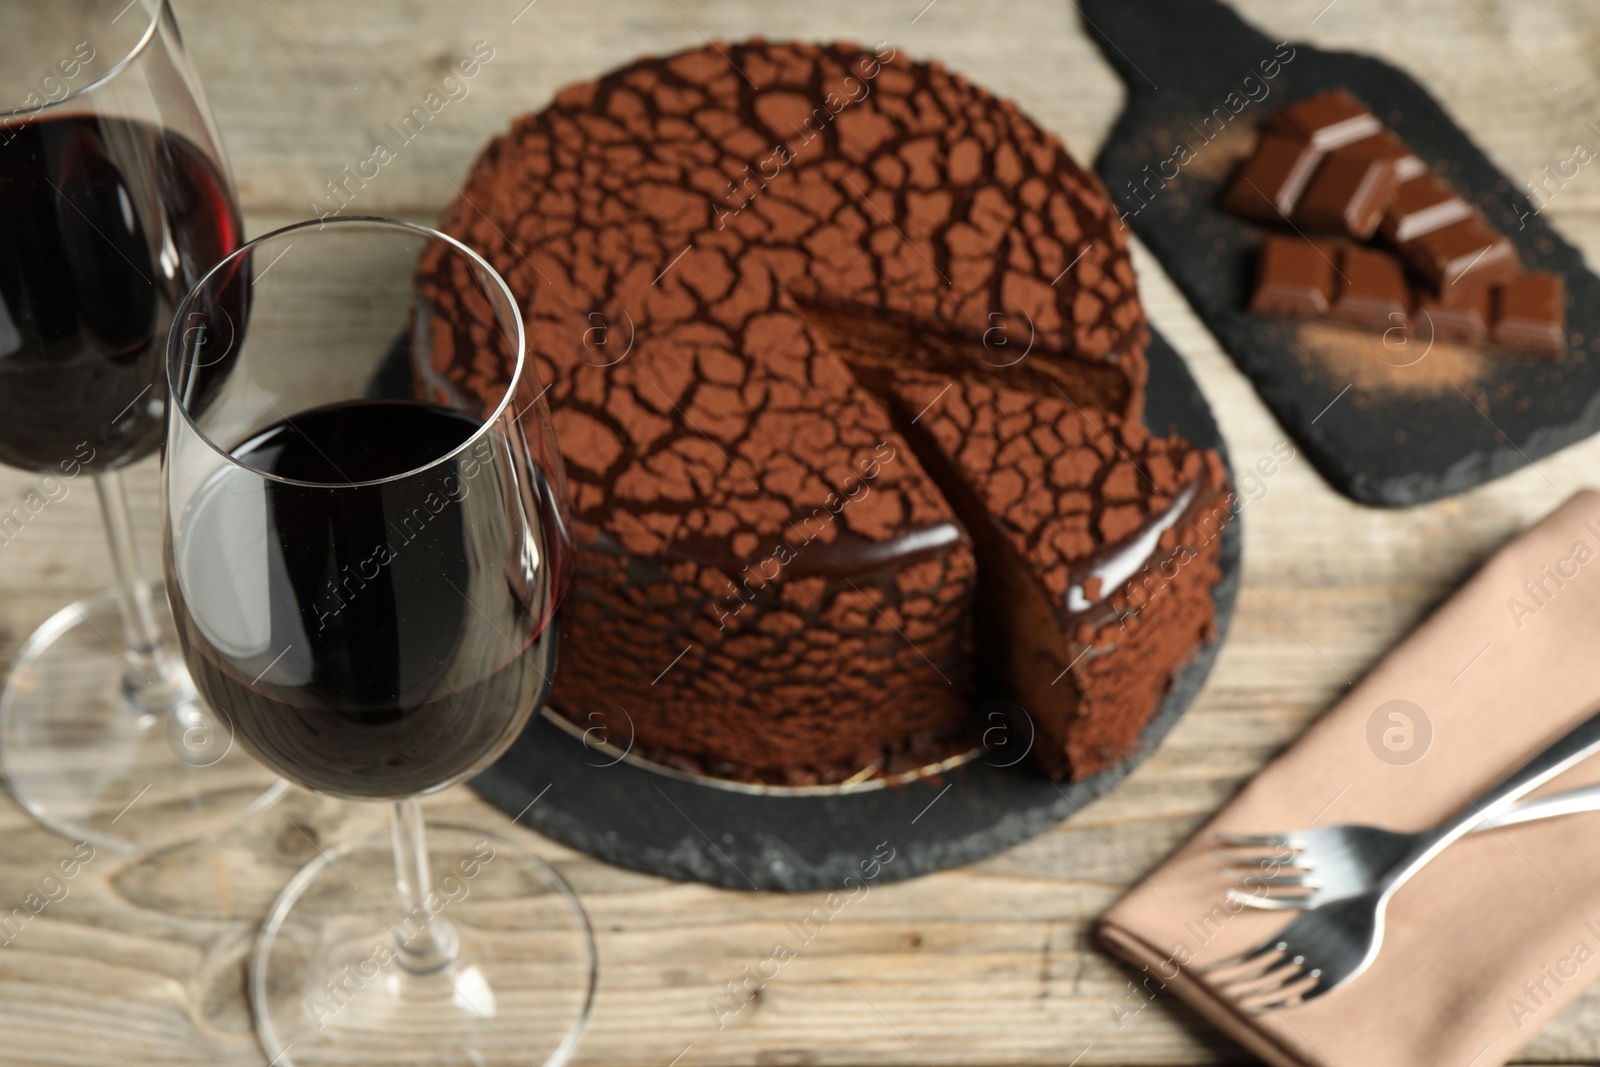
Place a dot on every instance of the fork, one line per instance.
(1326, 947)
(1334, 862)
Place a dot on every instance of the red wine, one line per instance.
(105, 224)
(378, 639)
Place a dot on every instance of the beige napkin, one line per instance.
(1486, 944)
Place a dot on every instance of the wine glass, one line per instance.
(366, 566)
(114, 199)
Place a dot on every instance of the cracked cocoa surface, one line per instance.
(768, 582)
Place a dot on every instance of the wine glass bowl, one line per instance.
(364, 581)
(366, 572)
(114, 199)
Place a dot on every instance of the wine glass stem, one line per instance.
(148, 682)
(427, 941)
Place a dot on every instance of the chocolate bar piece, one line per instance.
(1530, 312)
(1348, 193)
(1460, 314)
(1327, 121)
(1295, 278)
(1269, 185)
(1469, 250)
(1421, 205)
(1385, 145)
(1327, 164)
(1371, 290)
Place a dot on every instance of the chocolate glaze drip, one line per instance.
(1116, 566)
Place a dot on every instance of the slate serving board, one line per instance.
(688, 830)
(1387, 421)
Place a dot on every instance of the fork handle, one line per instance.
(1576, 745)
(1572, 802)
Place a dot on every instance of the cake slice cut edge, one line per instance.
(877, 344)
(1098, 548)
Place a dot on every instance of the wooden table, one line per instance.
(990, 964)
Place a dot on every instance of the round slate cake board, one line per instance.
(680, 828)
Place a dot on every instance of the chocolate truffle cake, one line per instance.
(722, 256)
(1097, 552)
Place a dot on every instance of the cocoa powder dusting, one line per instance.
(1360, 357)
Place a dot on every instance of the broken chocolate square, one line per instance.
(1460, 315)
(1348, 193)
(1327, 121)
(1371, 290)
(1385, 145)
(1422, 205)
(1469, 250)
(1269, 185)
(1295, 278)
(1530, 313)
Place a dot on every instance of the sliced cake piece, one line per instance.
(1097, 552)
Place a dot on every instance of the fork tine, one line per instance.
(1272, 861)
(1274, 946)
(1285, 902)
(1292, 992)
(1255, 840)
(1305, 880)
(1262, 979)
(1251, 963)
(1265, 984)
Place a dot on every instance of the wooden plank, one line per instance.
(989, 964)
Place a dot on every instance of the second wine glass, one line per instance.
(114, 199)
(366, 577)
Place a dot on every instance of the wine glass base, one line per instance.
(327, 985)
(92, 765)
